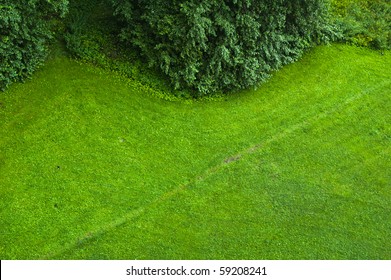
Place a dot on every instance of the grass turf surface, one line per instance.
(93, 168)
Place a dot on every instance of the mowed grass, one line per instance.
(92, 167)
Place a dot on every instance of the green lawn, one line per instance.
(93, 167)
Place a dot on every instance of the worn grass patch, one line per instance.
(92, 167)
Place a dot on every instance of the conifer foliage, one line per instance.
(220, 45)
(24, 30)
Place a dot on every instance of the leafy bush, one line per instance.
(365, 22)
(25, 27)
(215, 45)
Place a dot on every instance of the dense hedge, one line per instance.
(220, 45)
(24, 30)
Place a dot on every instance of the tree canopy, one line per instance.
(24, 30)
(220, 45)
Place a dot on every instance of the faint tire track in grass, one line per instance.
(93, 235)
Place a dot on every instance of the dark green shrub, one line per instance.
(220, 45)
(25, 27)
